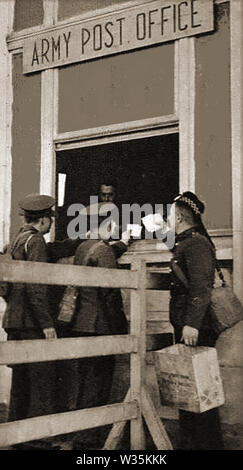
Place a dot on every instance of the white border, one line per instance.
(6, 98)
(236, 23)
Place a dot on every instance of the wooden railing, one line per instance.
(137, 403)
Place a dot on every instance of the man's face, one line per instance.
(107, 193)
(46, 225)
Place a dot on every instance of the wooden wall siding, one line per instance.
(213, 121)
(26, 137)
(28, 13)
(67, 9)
(157, 305)
(125, 87)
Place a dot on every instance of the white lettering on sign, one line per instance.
(131, 28)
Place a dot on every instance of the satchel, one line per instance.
(68, 304)
(225, 308)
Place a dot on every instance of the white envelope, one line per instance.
(153, 222)
(135, 229)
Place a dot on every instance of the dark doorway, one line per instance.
(142, 170)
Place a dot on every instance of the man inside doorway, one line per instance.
(107, 192)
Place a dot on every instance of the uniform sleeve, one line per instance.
(200, 268)
(62, 249)
(38, 293)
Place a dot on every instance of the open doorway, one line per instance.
(142, 170)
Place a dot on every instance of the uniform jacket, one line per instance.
(27, 305)
(99, 310)
(194, 254)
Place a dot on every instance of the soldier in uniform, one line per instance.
(28, 313)
(193, 260)
(99, 311)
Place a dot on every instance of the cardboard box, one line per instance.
(189, 377)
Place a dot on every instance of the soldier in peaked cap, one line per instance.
(192, 278)
(29, 314)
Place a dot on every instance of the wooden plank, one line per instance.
(115, 435)
(137, 370)
(112, 129)
(47, 273)
(154, 423)
(157, 316)
(21, 352)
(158, 327)
(52, 425)
(157, 300)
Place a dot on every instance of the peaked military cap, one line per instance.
(191, 200)
(37, 205)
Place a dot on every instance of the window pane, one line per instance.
(121, 88)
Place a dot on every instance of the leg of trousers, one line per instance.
(96, 375)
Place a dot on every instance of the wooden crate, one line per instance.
(189, 377)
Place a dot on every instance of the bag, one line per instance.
(189, 377)
(68, 304)
(225, 308)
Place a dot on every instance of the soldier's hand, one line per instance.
(126, 237)
(189, 335)
(50, 333)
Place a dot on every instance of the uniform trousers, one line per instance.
(85, 383)
(33, 384)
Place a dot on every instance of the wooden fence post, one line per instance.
(137, 360)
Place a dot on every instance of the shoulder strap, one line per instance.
(26, 243)
(220, 273)
(179, 273)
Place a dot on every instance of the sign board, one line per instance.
(132, 28)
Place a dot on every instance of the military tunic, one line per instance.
(27, 314)
(193, 255)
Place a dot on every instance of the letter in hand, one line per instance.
(189, 335)
(50, 333)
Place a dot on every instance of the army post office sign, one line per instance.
(131, 28)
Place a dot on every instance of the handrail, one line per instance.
(41, 350)
(18, 352)
(59, 274)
